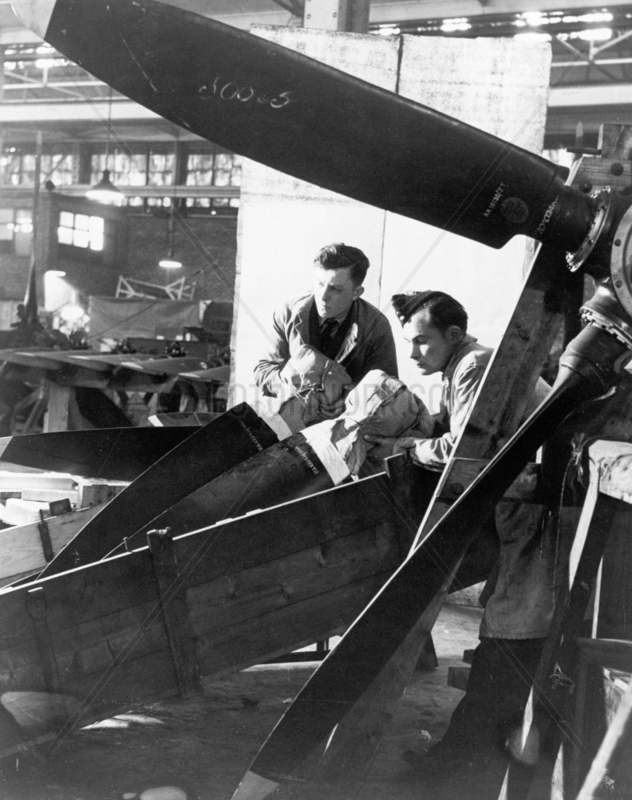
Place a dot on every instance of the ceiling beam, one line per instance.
(390, 11)
(587, 96)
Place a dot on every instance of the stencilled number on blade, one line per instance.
(243, 94)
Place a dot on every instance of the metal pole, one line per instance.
(30, 296)
(358, 12)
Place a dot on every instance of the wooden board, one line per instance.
(165, 366)
(299, 116)
(252, 588)
(21, 550)
(111, 453)
(54, 360)
(104, 362)
(213, 375)
(35, 358)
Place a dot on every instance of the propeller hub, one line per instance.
(602, 219)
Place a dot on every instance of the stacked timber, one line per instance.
(40, 513)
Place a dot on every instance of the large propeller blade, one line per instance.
(319, 124)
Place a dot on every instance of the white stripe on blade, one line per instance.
(254, 787)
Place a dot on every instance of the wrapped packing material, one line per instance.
(379, 405)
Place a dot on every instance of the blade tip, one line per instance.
(254, 787)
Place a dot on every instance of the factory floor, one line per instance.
(202, 746)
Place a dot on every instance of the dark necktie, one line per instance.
(328, 330)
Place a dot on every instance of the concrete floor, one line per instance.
(204, 745)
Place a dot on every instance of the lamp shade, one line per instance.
(105, 191)
(170, 263)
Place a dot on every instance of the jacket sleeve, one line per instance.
(267, 369)
(435, 453)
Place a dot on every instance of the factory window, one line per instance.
(59, 168)
(16, 231)
(81, 230)
(213, 169)
(126, 169)
(147, 166)
(18, 167)
(160, 169)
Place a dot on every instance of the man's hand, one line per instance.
(333, 409)
(380, 447)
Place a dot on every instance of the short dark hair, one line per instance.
(444, 310)
(337, 255)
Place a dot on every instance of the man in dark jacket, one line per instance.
(335, 324)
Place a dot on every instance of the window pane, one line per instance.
(64, 235)
(17, 167)
(227, 170)
(80, 238)
(97, 165)
(96, 225)
(96, 241)
(200, 169)
(81, 230)
(28, 169)
(58, 168)
(161, 169)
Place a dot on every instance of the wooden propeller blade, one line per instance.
(317, 123)
(119, 454)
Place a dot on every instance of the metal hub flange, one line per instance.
(603, 214)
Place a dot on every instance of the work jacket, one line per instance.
(369, 343)
(461, 378)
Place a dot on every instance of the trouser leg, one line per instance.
(498, 689)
